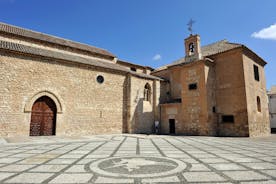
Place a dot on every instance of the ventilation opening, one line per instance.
(193, 86)
(227, 119)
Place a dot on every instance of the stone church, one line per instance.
(54, 86)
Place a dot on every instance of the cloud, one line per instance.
(266, 33)
(157, 57)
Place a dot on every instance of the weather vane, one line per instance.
(190, 25)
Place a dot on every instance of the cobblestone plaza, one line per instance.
(139, 159)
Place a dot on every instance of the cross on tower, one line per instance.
(190, 25)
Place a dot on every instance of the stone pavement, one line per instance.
(140, 159)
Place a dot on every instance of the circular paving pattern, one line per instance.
(136, 167)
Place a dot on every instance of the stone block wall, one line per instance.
(141, 112)
(194, 101)
(258, 120)
(272, 109)
(87, 107)
(230, 93)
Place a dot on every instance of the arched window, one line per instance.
(147, 92)
(258, 104)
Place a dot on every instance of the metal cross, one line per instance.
(190, 25)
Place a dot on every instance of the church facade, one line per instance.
(218, 89)
(54, 86)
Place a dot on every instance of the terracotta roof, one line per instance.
(218, 47)
(6, 28)
(208, 50)
(19, 48)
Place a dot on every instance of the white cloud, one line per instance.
(157, 57)
(266, 33)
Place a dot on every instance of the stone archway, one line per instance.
(43, 117)
(31, 101)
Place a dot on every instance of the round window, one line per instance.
(100, 79)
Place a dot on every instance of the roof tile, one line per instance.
(6, 28)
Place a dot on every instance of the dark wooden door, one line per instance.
(43, 118)
(172, 126)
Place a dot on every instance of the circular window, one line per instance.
(100, 79)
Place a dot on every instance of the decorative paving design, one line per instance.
(141, 159)
(137, 167)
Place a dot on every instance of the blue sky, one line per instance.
(151, 32)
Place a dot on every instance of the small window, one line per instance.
(256, 73)
(259, 104)
(100, 79)
(227, 119)
(133, 69)
(193, 86)
(214, 109)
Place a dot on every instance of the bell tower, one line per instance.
(192, 47)
(192, 44)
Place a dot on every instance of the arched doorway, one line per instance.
(43, 118)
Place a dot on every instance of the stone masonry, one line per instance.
(217, 90)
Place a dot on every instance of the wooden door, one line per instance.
(43, 118)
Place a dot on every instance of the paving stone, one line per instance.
(36, 151)
(161, 180)
(76, 169)
(228, 158)
(213, 160)
(260, 165)
(62, 161)
(5, 154)
(202, 177)
(85, 161)
(227, 166)
(190, 160)
(204, 155)
(47, 155)
(34, 161)
(71, 156)
(260, 182)
(49, 168)
(72, 178)
(199, 167)
(16, 168)
(245, 175)
(244, 159)
(113, 180)
(83, 152)
(4, 175)
(177, 155)
(9, 160)
(269, 172)
(29, 178)
(22, 155)
(96, 156)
